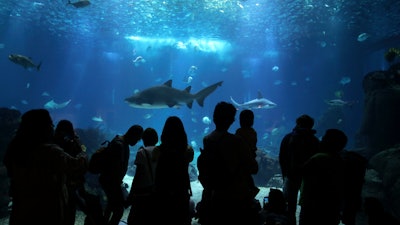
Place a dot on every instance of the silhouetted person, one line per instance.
(275, 209)
(376, 214)
(355, 166)
(296, 148)
(249, 135)
(67, 139)
(141, 195)
(322, 188)
(38, 169)
(117, 165)
(246, 130)
(172, 183)
(223, 171)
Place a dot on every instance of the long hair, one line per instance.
(173, 134)
(64, 129)
(36, 128)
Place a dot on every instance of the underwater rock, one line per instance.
(374, 81)
(382, 180)
(380, 123)
(268, 167)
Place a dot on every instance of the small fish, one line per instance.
(24, 61)
(362, 37)
(274, 131)
(97, 119)
(192, 71)
(206, 120)
(339, 94)
(339, 102)
(275, 68)
(138, 60)
(79, 4)
(345, 80)
(38, 4)
(193, 144)
(188, 79)
(147, 116)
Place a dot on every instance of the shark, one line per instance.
(258, 103)
(53, 105)
(165, 96)
(339, 102)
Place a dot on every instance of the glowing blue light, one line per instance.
(196, 44)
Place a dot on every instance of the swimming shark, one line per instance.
(258, 103)
(53, 105)
(165, 96)
(339, 102)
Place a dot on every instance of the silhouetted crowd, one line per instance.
(47, 166)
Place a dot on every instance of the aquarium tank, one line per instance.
(106, 65)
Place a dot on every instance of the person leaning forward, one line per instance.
(117, 166)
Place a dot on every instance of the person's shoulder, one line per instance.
(211, 136)
(233, 140)
(53, 151)
(239, 130)
(233, 137)
(288, 135)
(117, 141)
(52, 147)
(140, 156)
(323, 157)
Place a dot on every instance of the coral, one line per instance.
(391, 54)
(91, 138)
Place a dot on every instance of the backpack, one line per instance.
(98, 160)
(207, 165)
(301, 148)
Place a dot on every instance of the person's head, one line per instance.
(133, 135)
(36, 125)
(64, 128)
(276, 201)
(246, 118)
(224, 115)
(149, 137)
(174, 133)
(334, 140)
(304, 121)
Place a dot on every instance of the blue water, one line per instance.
(294, 52)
